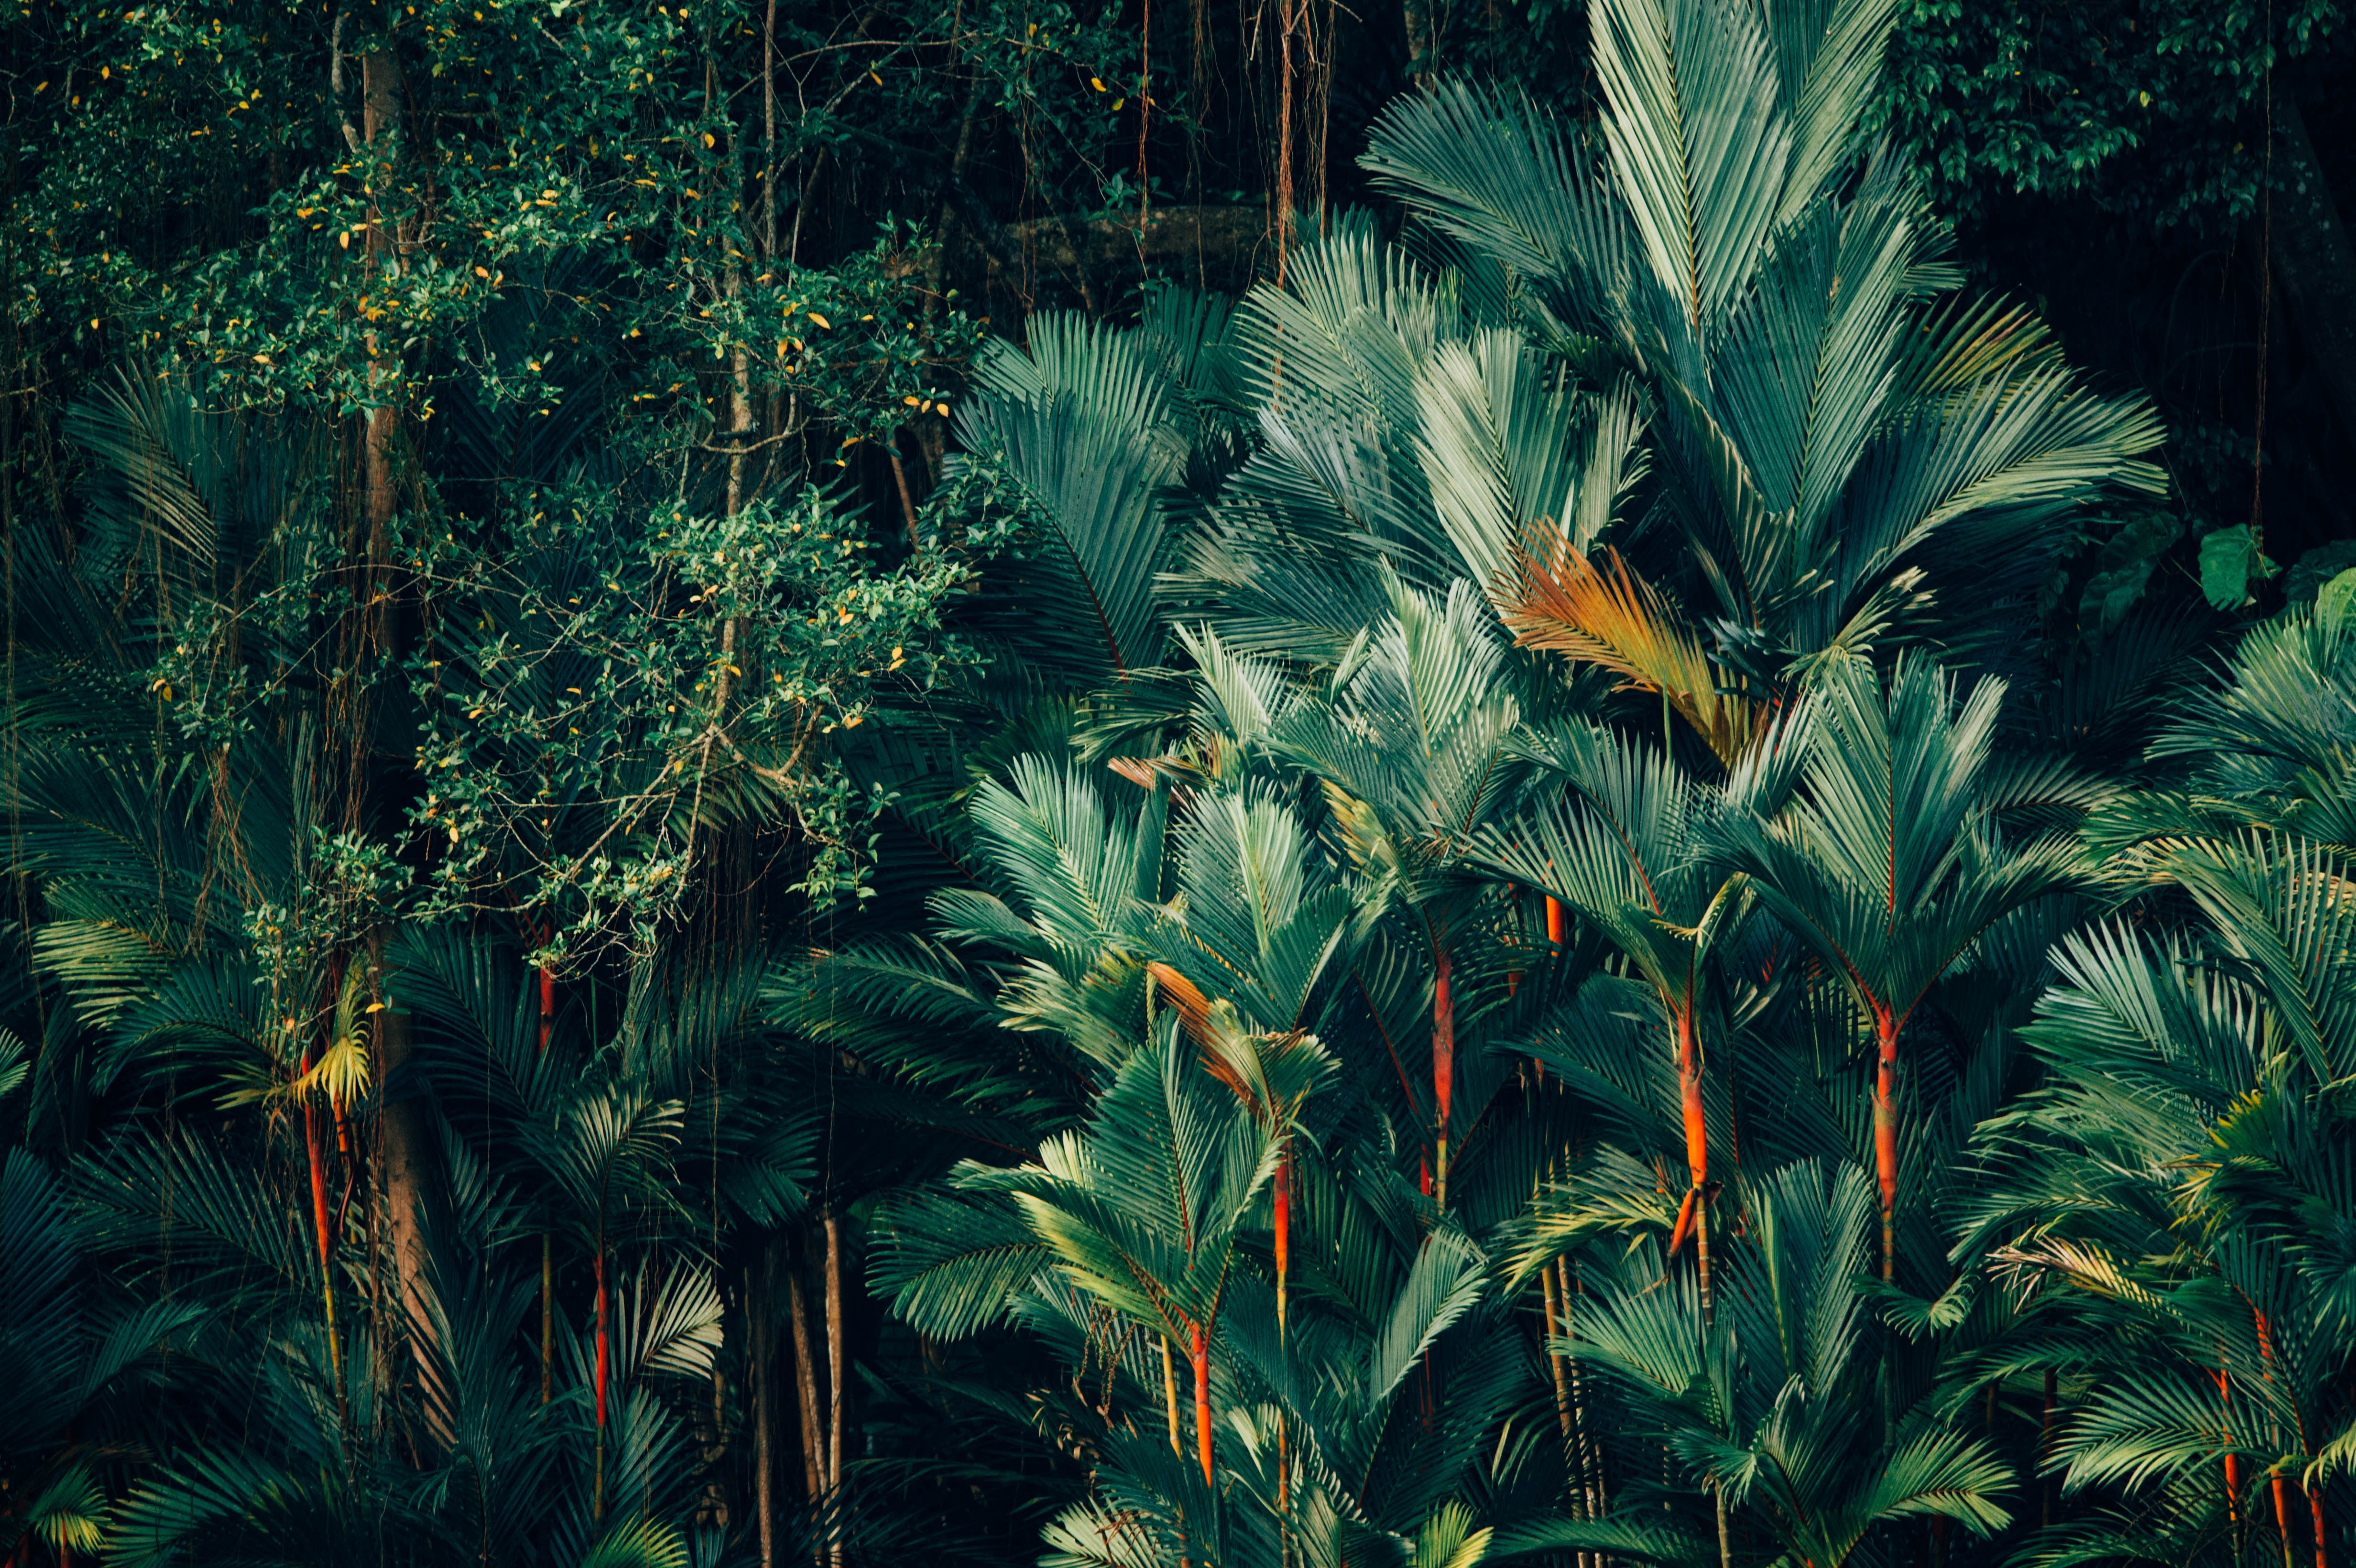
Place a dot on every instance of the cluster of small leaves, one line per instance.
(350, 885)
(599, 693)
(2153, 110)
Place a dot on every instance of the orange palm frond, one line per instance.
(1560, 600)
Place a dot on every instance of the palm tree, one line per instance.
(1624, 849)
(1765, 1403)
(1891, 863)
(1831, 436)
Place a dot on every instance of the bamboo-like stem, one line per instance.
(1443, 1064)
(835, 1377)
(326, 1242)
(759, 1342)
(2233, 1460)
(1885, 1133)
(1202, 1357)
(597, 1493)
(1169, 1396)
(1282, 1202)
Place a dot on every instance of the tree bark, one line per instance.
(758, 1312)
(806, 1385)
(1169, 1396)
(402, 1154)
(2317, 266)
(835, 1359)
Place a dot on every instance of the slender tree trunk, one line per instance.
(1697, 1130)
(597, 1497)
(1558, 927)
(1590, 1459)
(327, 1244)
(1169, 1396)
(2233, 1460)
(1885, 1133)
(806, 1388)
(758, 1310)
(1443, 1062)
(769, 198)
(837, 1372)
(1550, 1306)
(1202, 1356)
(400, 1152)
(1417, 17)
(547, 1244)
(2314, 1513)
(1282, 1204)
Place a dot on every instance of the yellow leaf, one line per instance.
(818, 321)
(1561, 601)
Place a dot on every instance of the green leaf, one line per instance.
(2229, 559)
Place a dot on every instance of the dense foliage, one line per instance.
(766, 804)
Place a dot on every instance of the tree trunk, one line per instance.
(1169, 1396)
(2317, 266)
(1443, 1064)
(400, 1137)
(758, 1312)
(2233, 1460)
(319, 1226)
(1201, 1357)
(400, 1152)
(1551, 1306)
(597, 1497)
(1417, 17)
(1696, 1129)
(1282, 1204)
(1885, 1134)
(806, 1387)
(837, 1365)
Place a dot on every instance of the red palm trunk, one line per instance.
(597, 1498)
(1885, 1133)
(1283, 1203)
(1444, 1062)
(1697, 1128)
(1201, 1348)
(547, 1004)
(319, 1229)
(2232, 1461)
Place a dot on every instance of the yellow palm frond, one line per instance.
(1557, 600)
